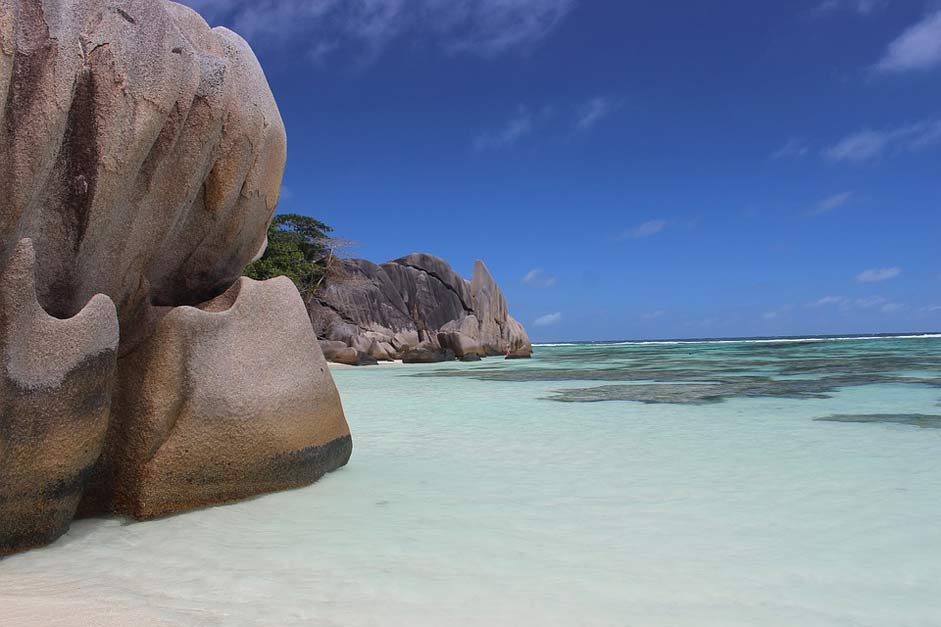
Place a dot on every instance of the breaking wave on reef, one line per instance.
(758, 340)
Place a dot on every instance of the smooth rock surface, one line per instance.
(205, 411)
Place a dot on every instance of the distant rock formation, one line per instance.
(141, 155)
(416, 308)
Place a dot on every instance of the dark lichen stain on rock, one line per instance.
(127, 17)
(207, 486)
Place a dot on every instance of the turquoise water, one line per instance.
(636, 484)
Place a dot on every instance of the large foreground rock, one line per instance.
(141, 152)
(198, 417)
(416, 308)
(55, 384)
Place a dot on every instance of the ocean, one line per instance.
(717, 483)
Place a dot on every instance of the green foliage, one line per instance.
(298, 248)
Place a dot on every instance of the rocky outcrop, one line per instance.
(416, 308)
(340, 353)
(141, 154)
(462, 336)
(427, 353)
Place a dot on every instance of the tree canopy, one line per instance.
(299, 248)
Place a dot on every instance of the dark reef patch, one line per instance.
(924, 421)
(712, 373)
(699, 393)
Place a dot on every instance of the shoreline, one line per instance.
(394, 362)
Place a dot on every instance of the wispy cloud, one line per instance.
(859, 147)
(830, 204)
(794, 147)
(862, 7)
(490, 28)
(877, 275)
(593, 111)
(517, 127)
(848, 304)
(777, 314)
(918, 48)
(647, 229)
(867, 145)
(868, 303)
(538, 278)
(548, 320)
(485, 28)
(825, 301)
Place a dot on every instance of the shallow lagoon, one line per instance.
(493, 494)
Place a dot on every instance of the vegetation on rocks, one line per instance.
(300, 248)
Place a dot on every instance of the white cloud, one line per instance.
(653, 315)
(537, 278)
(593, 111)
(548, 320)
(486, 28)
(930, 309)
(647, 229)
(891, 308)
(518, 126)
(877, 275)
(868, 144)
(794, 147)
(830, 203)
(918, 48)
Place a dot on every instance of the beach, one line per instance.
(474, 499)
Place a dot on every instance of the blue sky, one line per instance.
(626, 169)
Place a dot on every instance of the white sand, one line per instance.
(50, 611)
